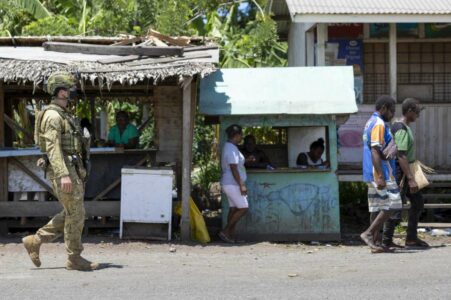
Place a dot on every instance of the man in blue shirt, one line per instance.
(379, 152)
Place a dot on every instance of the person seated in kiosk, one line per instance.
(255, 157)
(123, 134)
(312, 159)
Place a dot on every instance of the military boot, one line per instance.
(33, 243)
(80, 264)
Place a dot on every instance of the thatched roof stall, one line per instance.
(104, 76)
(163, 69)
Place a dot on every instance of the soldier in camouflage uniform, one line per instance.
(58, 135)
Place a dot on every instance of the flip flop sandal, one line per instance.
(418, 244)
(393, 245)
(382, 250)
(377, 250)
(225, 238)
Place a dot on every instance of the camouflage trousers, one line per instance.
(70, 221)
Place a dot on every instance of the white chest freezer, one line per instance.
(146, 198)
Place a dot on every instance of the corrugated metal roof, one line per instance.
(273, 91)
(398, 7)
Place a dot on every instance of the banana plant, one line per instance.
(33, 7)
(247, 39)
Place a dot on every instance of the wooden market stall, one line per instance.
(402, 49)
(287, 203)
(156, 72)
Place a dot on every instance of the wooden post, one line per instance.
(321, 30)
(2, 112)
(296, 45)
(310, 47)
(92, 106)
(8, 136)
(146, 110)
(421, 30)
(392, 60)
(366, 31)
(3, 161)
(187, 149)
(103, 124)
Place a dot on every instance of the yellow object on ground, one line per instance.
(199, 230)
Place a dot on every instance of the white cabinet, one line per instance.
(146, 197)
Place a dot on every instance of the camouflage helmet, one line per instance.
(60, 80)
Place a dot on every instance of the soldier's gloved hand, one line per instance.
(66, 184)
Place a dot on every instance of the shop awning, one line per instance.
(368, 11)
(271, 91)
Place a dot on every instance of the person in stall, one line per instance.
(123, 134)
(255, 157)
(313, 158)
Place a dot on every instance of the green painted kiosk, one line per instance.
(293, 107)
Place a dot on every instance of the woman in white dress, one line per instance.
(233, 181)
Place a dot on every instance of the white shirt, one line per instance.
(231, 155)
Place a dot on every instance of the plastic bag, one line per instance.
(199, 230)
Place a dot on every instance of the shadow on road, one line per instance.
(103, 266)
(52, 268)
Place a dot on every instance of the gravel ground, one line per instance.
(140, 270)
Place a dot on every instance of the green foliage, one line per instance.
(205, 156)
(113, 17)
(83, 109)
(204, 141)
(21, 116)
(173, 17)
(147, 137)
(353, 194)
(85, 17)
(55, 25)
(208, 173)
(267, 135)
(247, 39)
(33, 7)
(13, 18)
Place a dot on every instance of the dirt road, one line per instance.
(137, 270)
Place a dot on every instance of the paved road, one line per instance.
(259, 271)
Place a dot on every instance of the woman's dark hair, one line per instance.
(319, 143)
(122, 114)
(233, 130)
